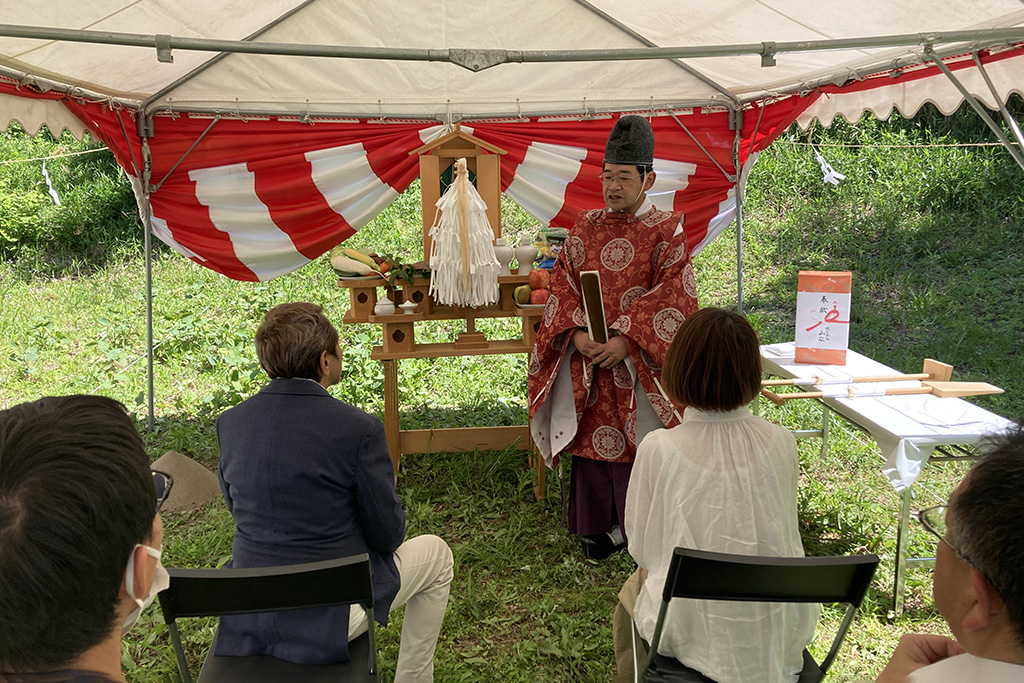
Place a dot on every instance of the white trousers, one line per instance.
(425, 569)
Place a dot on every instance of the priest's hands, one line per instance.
(606, 355)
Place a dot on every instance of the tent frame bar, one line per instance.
(475, 59)
(889, 64)
(1007, 117)
(311, 117)
(177, 163)
(681, 64)
(731, 177)
(979, 108)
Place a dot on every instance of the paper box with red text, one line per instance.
(822, 317)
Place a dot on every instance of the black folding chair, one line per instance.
(218, 592)
(721, 576)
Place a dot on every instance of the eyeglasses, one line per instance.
(621, 179)
(933, 519)
(162, 483)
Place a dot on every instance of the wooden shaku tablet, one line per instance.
(593, 305)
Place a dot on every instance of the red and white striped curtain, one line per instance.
(259, 198)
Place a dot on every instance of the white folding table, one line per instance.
(907, 428)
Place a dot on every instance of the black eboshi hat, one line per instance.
(630, 142)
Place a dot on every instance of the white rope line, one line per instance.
(839, 144)
(55, 156)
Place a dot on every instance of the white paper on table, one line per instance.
(783, 350)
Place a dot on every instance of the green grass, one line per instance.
(930, 235)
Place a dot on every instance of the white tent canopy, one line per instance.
(406, 87)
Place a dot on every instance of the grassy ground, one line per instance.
(929, 234)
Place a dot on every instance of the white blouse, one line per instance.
(723, 482)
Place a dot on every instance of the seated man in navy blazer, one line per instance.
(308, 478)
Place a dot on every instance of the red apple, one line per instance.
(539, 278)
(539, 296)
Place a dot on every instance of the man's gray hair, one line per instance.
(987, 520)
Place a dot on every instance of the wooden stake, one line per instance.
(933, 370)
(940, 389)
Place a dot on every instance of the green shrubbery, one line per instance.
(97, 217)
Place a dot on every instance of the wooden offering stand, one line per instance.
(399, 341)
(399, 331)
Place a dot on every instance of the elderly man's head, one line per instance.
(979, 571)
(297, 340)
(77, 512)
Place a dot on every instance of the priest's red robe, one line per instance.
(648, 289)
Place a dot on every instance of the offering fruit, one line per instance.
(348, 261)
(539, 296)
(522, 294)
(539, 278)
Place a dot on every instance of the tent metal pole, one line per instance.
(739, 218)
(479, 59)
(1014, 128)
(145, 125)
(979, 109)
(741, 194)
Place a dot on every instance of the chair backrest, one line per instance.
(219, 592)
(721, 576)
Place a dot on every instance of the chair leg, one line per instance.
(372, 635)
(636, 652)
(179, 653)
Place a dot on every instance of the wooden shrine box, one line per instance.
(439, 156)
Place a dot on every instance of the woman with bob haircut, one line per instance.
(724, 480)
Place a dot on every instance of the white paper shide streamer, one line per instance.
(463, 268)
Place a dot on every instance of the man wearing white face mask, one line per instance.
(80, 538)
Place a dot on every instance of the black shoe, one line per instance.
(599, 546)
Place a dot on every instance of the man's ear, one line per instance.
(325, 365)
(649, 180)
(140, 578)
(987, 603)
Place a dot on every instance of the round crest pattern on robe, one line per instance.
(579, 317)
(609, 442)
(622, 377)
(661, 406)
(574, 251)
(689, 281)
(617, 254)
(659, 250)
(533, 366)
(676, 255)
(667, 322)
(551, 309)
(630, 296)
